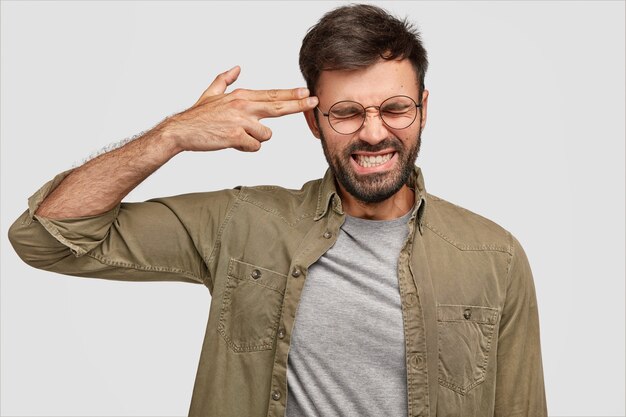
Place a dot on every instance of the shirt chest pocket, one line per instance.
(465, 339)
(251, 305)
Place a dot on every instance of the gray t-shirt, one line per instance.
(347, 355)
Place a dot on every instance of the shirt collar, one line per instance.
(328, 198)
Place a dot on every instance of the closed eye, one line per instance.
(345, 113)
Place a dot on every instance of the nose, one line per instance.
(373, 130)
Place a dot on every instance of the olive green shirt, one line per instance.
(471, 327)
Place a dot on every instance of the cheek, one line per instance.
(341, 151)
(409, 135)
(336, 146)
(404, 135)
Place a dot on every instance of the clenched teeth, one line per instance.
(372, 161)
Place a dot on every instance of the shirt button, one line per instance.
(467, 314)
(296, 272)
(411, 299)
(328, 234)
(281, 333)
(417, 361)
(256, 274)
(276, 395)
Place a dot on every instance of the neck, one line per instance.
(395, 206)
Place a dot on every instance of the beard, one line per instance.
(379, 186)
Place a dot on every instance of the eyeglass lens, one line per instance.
(396, 112)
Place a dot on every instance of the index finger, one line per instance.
(283, 107)
(271, 95)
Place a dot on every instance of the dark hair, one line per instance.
(356, 36)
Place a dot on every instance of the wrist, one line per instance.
(168, 137)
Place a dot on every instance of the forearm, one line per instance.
(216, 121)
(101, 183)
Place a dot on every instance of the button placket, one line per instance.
(306, 256)
(417, 356)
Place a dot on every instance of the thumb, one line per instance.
(218, 86)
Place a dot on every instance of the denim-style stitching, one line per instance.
(231, 273)
(54, 231)
(226, 298)
(221, 329)
(481, 366)
(491, 319)
(233, 261)
(407, 250)
(420, 296)
(144, 267)
(404, 324)
(218, 238)
(509, 266)
(276, 212)
(318, 208)
(481, 248)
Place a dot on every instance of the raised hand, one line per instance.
(220, 120)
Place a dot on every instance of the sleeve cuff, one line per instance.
(79, 234)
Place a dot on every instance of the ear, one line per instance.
(309, 115)
(424, 108)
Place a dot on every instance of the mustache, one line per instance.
(389, 143)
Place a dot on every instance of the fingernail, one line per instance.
(312, 101)
(303, 92)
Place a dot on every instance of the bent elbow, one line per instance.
(34, 245)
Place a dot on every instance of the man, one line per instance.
(359, 294)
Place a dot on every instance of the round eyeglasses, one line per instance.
(347, 117)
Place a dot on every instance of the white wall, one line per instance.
(526, 127)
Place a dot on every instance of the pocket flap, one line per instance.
(261, 276)
(476, 314)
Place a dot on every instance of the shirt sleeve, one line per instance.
(520, 388)
(164, 239)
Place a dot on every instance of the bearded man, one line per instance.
(359, 294)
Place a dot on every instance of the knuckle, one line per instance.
(239, 143)
(272, 94)
(278, 106)
(238, 92)
(241, 133)
(246, 144)
(238, 104)
(235, 133)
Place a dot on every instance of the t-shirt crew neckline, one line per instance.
(397, 222)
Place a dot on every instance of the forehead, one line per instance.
(369, 85)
